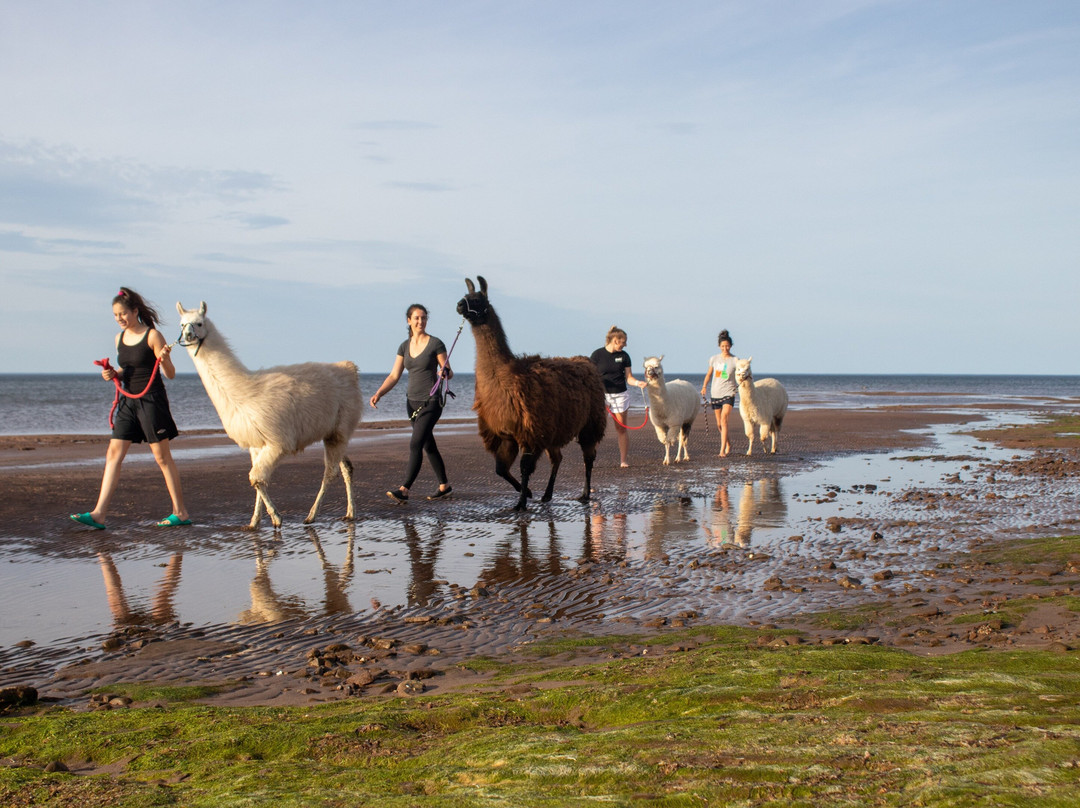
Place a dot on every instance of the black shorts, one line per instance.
(144, 420)
(717, 403)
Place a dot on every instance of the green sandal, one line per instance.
(172, 520)
(88, 520)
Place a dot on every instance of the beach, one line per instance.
(871, 507)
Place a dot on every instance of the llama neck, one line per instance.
(220, 371)
(492, 350)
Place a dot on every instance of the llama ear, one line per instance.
(660, 358)
(202, 308)
(470, 287)
(179, 308)
(483, 285)
(749, 359)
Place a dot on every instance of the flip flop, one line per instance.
(172, 520)
(88, 520)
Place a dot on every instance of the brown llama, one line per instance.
(530, 403)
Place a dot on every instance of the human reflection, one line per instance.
(267, 606)
(423, 558)
(161, 606)
(336, 581)
(670, 523)
(605, 536)
(761, 504)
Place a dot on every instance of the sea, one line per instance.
(79, 403)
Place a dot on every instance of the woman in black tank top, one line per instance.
(139, 349)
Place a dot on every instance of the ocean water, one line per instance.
(78, 403)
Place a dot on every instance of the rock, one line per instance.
(363, 678)
(883, 575)
(18, 696)
(773, 584)
(56, 766)
(410, 687)
(850, 583)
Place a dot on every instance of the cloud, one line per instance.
(57, 186)
(256, 221)
(395, 126)
(425, 187)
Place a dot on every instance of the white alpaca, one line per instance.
(278, 411)
(673, 406)
(763, 403)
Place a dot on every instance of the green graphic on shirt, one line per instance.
(723, 372)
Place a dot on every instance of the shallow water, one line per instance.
(707, 545)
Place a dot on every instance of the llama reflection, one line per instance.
(269, 606)
(336, 582)
(506, 566)
(761, 504)
(161, 609)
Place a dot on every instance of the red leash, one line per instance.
(626, 426)
(121, 391)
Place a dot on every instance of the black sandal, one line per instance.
(442, 493)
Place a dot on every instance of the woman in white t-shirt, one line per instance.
(722, 395)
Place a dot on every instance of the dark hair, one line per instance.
(133, 301)
(410, 310)
(725, 336)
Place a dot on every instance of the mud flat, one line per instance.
(886, 518)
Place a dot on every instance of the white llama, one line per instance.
(277, 411)
(763, 403)
(673, 406)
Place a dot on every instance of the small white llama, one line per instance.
(277, 411)
(762, 404)
(673, 406)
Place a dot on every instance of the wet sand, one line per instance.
(905, 542)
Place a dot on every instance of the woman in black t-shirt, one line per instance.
(614, 365)
(424, 356)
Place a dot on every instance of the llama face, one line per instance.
(653, 369)
(474, 306)
(742, 370)
(193, 327)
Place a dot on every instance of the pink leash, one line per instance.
(120, 390)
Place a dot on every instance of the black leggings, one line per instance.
(423, 441)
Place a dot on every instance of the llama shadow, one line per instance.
(162, 609)
(761, 504)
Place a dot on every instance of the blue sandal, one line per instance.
(88, 520)
(172, 520)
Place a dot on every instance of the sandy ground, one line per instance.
(418, 650)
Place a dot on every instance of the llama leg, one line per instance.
(504, 459)
(555, 456)
(263, 462)
(588, 451)
(332, 453)
(346, 475)
(528, 466)
(684, 442)
(749, 436)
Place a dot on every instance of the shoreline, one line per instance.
(503, 613)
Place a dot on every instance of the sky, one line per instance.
(847, 186)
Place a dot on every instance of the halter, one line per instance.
(197, 342)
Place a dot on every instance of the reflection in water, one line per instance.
(336, 582)
(605, 537)
(504, 566)
(422, 561)
(669, 523)
(761, 504)
(161, 607)
(267, 606)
